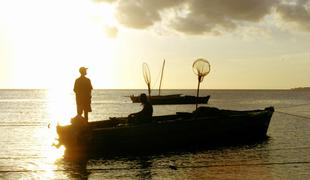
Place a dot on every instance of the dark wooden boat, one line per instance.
(173, 99)
(205, 126)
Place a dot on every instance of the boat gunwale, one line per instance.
(158, 120)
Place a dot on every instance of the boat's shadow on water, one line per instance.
(80, 164)
(75, 167)
(119, 153)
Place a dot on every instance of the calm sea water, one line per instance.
(26, 151)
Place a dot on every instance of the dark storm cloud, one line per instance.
(223, 15)
(202, 15)
(297, 12)
(142, 13)
(208, 16)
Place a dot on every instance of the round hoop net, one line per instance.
(201, 68)
(146, 73)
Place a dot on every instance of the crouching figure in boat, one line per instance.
(143, 116)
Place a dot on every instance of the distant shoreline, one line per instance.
(301, 89)
(284, 89)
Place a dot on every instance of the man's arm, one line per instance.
(75, 86)
(90, 85)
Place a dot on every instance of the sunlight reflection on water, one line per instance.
(61, 106)
(60, 109)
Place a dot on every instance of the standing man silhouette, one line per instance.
(83, 89)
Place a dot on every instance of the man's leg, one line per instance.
(86, 115)
(79, 110)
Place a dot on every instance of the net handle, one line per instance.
(200, 73)
(147, 77)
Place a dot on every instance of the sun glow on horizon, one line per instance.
(48, 44)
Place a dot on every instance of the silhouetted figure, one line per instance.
(145, 115)
(83, 89)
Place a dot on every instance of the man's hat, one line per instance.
(83, 69)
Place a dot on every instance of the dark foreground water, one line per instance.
(26, 151)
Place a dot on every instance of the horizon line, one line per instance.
(167, 89)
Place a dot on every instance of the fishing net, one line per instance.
(146, 73)
(201, 68)
(147, 76)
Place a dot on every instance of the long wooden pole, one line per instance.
(161, 77)
(197, 99)
(149, 89)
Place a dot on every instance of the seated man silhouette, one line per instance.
(143, 116)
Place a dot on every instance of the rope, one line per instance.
(304, 117)
(294, 105)
(295, 115)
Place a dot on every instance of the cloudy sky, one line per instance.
(250, 44)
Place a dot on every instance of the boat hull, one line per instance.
(173, 99)
(182, 130)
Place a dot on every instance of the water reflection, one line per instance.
(57, 104)
(76, 168)
(61, 106)
(47, 154)
(144, 168)
(226, 162)
(60, 110)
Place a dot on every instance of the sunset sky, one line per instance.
(250, 44)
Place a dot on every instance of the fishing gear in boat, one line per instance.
(201, 68)
(147, 77)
